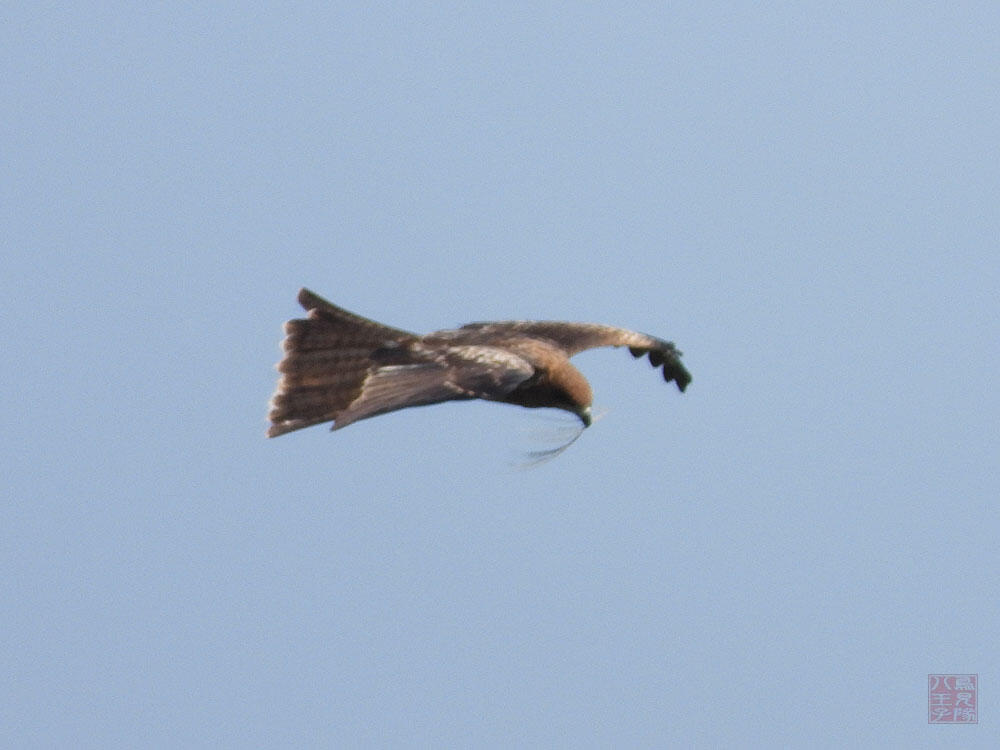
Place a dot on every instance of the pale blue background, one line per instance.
(804, 197)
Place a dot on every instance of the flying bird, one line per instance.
(341, 367)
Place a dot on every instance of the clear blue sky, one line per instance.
(806, 198)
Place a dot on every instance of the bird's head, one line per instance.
(572, 392)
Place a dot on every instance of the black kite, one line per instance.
(341, 367)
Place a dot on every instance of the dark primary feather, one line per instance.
(665, 354)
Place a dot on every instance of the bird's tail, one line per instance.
(326, 361)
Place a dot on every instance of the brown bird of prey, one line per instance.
(341, 367)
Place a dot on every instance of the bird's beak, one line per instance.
(584, 415)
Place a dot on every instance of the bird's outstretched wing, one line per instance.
(574, 338)
(400, 377)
